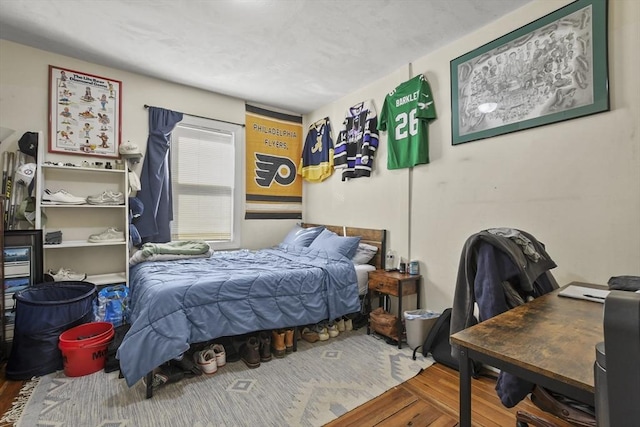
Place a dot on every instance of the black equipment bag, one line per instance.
(438, 345)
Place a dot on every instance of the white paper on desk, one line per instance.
(581, 292)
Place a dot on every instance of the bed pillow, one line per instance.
(364, 253)
(331, 242)
(299, 236)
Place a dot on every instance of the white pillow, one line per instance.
(364, 253)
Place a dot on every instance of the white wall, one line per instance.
(574, 185)
(24, 77)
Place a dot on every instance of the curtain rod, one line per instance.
(202, 117)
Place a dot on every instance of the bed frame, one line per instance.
(370, 236)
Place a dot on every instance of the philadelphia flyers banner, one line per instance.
(274, 147)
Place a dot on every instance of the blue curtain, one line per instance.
(155, 179)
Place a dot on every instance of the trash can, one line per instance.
(417, 324)
(43, 312)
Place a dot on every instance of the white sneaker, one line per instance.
(321, 330)
(109, 235)
(221, 355)
(62, 197)
(340, 325)
(206, 361)
(348, 324)
(107, 198)
(64, 274)
(332, 329)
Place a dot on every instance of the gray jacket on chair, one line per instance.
(490, 265)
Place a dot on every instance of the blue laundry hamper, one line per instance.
(43, 312)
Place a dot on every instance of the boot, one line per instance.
(250, 352)
(277, 342)
(265, 346)
(288, 340)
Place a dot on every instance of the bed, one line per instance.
(177, 303)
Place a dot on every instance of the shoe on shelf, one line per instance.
(310, 335)
(64, 274)
(107, 198)
(62, 197)
(321, 330)
(109, 235)
(221, 355)
(340, 324)
(206, 361)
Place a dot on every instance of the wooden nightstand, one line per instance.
(397, 284)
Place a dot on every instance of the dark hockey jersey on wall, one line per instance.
(357, 142)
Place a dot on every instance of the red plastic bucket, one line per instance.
(87, 334)
(86, 353)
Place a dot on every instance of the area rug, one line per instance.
(310, 387)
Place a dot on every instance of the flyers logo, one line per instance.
(270, 168)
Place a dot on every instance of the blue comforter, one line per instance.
(176, 303)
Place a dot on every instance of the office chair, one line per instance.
(617, 367)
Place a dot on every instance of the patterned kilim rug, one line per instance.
(310, 387)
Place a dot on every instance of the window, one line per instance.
(206, 177)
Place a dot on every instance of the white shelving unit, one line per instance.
(104, 263)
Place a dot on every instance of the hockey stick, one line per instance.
(5, 170)
(8, 187)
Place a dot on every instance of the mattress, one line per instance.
(362, 274)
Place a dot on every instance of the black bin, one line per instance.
(43, 312)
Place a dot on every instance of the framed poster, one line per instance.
(550, 70)
(84, 113)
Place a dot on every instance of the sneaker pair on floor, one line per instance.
(324, 330)
(317, 332)
(344, 324)
(211, 358)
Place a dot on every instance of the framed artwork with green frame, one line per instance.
(550, 70)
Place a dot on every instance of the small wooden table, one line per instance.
(549, 341)
(397, 284)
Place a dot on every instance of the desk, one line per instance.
(549, 341)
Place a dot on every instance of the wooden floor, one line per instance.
(428, 399)
(431, 399)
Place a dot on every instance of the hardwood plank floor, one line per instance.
(428, 399)
(431, 399)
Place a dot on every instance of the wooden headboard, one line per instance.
(370, 236)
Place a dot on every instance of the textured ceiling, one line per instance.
(293, 54)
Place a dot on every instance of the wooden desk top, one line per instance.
(551, 335)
